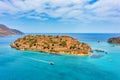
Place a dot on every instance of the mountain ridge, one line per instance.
(6, 31)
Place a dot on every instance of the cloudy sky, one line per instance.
(66, 16)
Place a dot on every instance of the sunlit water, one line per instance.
(28, 65)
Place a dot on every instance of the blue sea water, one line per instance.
(28, 65)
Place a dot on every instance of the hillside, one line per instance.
(5, 31)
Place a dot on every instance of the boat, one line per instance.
(51, 63)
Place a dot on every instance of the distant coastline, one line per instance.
(5, 31)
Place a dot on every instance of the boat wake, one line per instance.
(38, 60)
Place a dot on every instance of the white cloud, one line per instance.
(66, 10)
(105, 10)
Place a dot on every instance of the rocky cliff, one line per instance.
(5, 31)
(52, 44)
(115, 40)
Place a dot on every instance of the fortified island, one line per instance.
(115, 40)
(52, 44)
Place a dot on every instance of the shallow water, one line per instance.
(23, 65)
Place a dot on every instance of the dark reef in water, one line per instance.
(97, 56)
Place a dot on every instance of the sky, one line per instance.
(61, 16)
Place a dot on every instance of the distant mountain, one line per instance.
(5, 31)
(17, 31)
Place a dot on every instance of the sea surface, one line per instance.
(29, 65)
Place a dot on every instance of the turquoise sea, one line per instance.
(28, 65)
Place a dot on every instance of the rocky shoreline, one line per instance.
(115, 40)
(52, 44)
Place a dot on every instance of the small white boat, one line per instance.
(51, 63)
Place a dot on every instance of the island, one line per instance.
(5, 31)
(52, 44)
(115, 40)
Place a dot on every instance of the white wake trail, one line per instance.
(38, 60)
